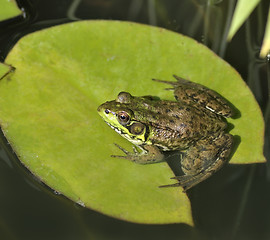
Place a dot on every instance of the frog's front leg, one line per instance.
(203, 159)
(148, 154)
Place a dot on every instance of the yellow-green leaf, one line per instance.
(266, 40)
(48, 112)
(242, 11)
(9, 9)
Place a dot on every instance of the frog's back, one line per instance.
(178, 125)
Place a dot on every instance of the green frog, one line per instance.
(193, 124)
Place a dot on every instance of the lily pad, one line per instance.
(9, 9)
(48, 112)
(4, 70)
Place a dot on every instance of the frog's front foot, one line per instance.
(149, 154)
(129, 155)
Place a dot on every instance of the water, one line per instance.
(238, 207)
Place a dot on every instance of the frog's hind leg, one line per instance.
(191, 92)
(203, 159)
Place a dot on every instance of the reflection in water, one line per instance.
(71, 13)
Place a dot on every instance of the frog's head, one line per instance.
(119, 115)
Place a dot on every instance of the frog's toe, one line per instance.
(122, 149)
(188, 181)
(185, 181)
(179, 184)
(127, 156)
(165, 81)
(118, 156)
(170, 185)
(183, 178)
(135, 150)
(133, 157)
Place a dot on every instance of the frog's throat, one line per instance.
(135, 139)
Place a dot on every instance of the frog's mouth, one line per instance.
(119, 131)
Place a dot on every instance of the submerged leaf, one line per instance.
(48, 112)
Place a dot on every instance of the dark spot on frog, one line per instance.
(218, 129)
(190, 123)
(203, 149)
(202, 126)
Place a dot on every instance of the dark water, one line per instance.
(238, 207)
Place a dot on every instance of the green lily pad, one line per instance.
(9, 9)
(48, 112)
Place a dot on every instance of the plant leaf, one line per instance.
(9, 9)
(242, 11)
(266, 40)
(48, 112)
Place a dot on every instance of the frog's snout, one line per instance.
(103, 110)
(99, 109)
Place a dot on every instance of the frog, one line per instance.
(194, 124)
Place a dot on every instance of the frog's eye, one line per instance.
(123, 118)
(137, 128)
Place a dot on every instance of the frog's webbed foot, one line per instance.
(148, 154)
(129, 155)
(190, 93)
(185, 181)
